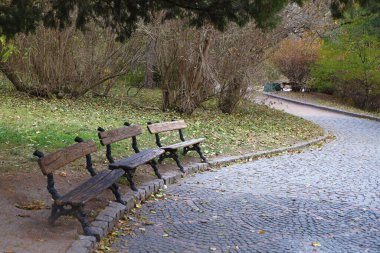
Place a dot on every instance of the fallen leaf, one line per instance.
(34, 205)
(147, 223)
(261, 232)
(316, 244)
(23, 215)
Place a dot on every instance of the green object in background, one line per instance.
(271, 87)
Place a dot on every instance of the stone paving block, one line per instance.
(130, 199)
(98, 231)
(148, 189)
(191, 169)
(104, 217)
(170, 177)
(202, 165)
(104, 225)
(141, 195)
(117, 206)
(178, 176)
(161, 183)
(213, 163)
(83, 244)
(157, 184)
(78, 249)
(112, 212)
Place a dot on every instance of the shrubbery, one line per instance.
(294, 58)
(69, 62)
(349, 65)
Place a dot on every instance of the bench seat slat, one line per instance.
(183, 144)
(137, 159)
(91, 188)
(166, 126)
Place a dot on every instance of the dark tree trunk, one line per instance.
(149, 80)
(12, 77)
(18, 84)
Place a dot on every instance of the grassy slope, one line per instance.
(31, 123)
(326, 100)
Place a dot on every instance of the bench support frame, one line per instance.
(173, 153)
(129, 173)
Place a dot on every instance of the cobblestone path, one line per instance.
(289, 203)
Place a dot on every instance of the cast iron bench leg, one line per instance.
(161, 158)
(198, 149)
(130, 180)
(115, 190)
(56, 212)
(185, 150)
(81, 216)
(153, 164)
(174, 155)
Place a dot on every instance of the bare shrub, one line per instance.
(71, 62)
(294, 58)
(182, 62)
(198, 64)
(236, 54)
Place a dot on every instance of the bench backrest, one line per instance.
(111, 136)
(53, 161)
(166, 126)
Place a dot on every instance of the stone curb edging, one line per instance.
(107, 218)
(255, 155)
(327, 108)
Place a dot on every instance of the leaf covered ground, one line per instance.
(48, 124)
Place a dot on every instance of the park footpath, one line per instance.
(324, 199)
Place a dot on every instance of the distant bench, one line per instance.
(171, 150)
(129, 163)
(72, 203)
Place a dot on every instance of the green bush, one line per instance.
(349, 64)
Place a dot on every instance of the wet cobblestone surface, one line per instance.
(289, 203)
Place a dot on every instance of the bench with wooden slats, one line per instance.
(77, 197)
(129, 163)
(171, 150)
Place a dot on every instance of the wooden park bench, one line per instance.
(72, 203)
(129, 163)
(171, 150)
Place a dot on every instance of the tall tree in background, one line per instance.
(123, 15)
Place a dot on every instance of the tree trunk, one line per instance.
(19, 85)
(150, 57)
(11, 77)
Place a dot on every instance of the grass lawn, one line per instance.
(33, 123)
(326, 100)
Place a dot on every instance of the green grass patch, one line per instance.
(32, 123)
